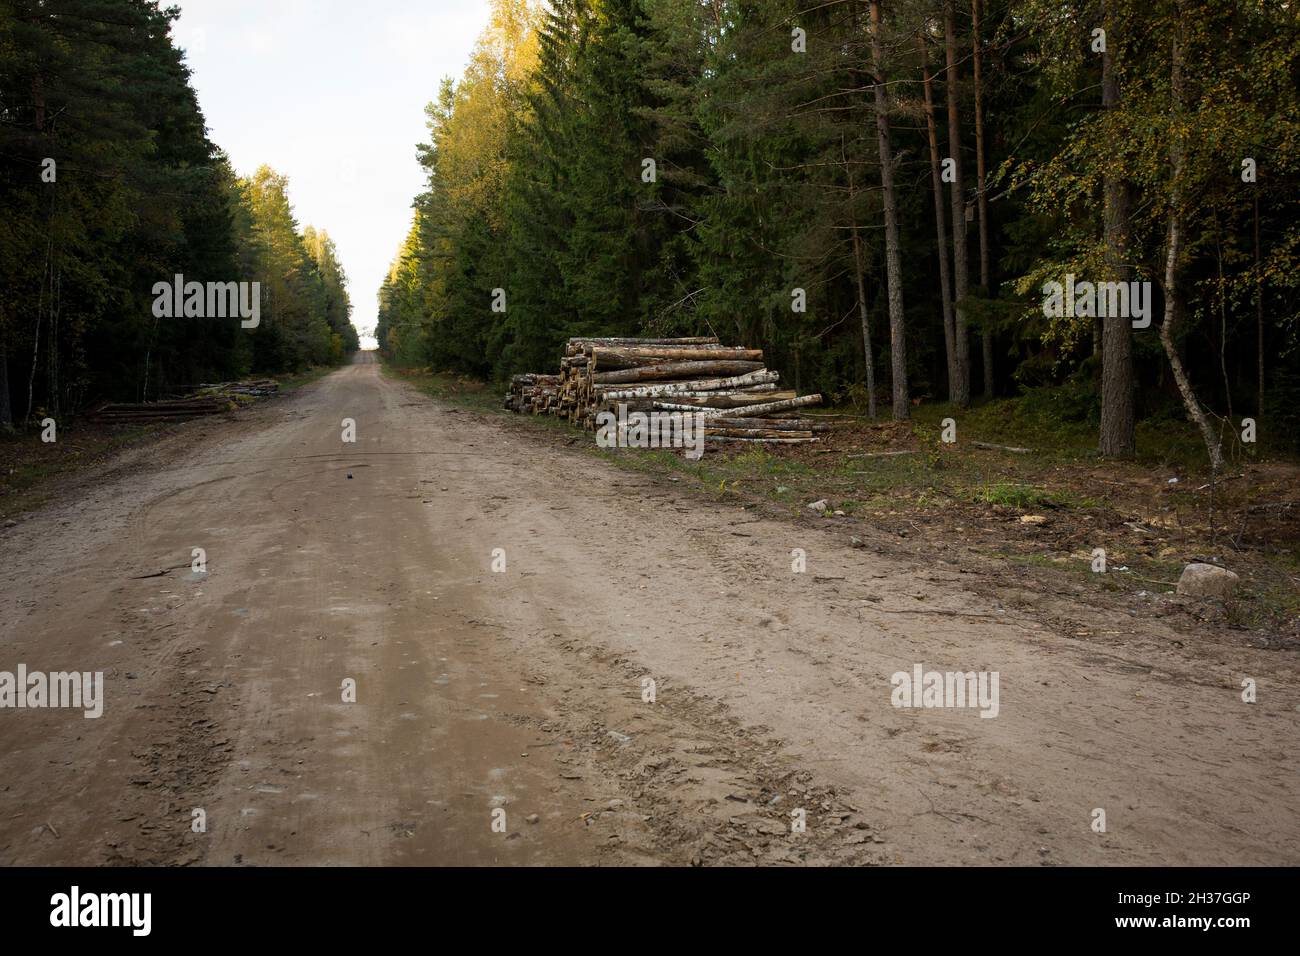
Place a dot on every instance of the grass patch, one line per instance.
(1025, 497)
(32, 466)
(1059, 425)
(749, 473)
(1031, 421)
(454, 389)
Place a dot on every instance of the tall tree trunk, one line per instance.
(1173, 259)
(1223, 318)
(977, 41)
(38, 102)
(940, 226)
(1259, 312)
(54, 406)
(861, 283)
(40, 313)
(959, 266)
(866, 325)
(1117, 411)
(38, 107)
(6, 412)
(893, 263)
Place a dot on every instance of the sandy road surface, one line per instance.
(523, 690)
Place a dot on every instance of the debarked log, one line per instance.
(761, 377)
(629, 357)
(633, 340)
(760, 393)
(774, 441)
(754, 432)
(579, 345)
(672, 370)
(749, 404)
(787, 424)
(780, 406)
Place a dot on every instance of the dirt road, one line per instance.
(523, 690)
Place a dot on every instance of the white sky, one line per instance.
(331, 93)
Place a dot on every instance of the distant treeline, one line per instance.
(788, 176)
(108, 186)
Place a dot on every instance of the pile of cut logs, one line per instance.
(738, 396)
(533, 393)
(257, 388)
(207, 400)
(182, 408)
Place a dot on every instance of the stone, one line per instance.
(1207, 581)
(819, 506)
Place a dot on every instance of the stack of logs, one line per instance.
(180, 409)
(730, 386)
(533, 393)
(208, 400)
(256, 388)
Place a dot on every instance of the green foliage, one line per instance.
(767, 167)
(1075, 402)
(1282, 412)
(304, 303)
(1024, 497)
(138, 195)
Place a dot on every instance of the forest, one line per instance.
(109, 185)
(889, 198)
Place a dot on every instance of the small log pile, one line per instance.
(208, 399)
(256, 388)
(537, 394)
(729, 385)
(180, 409)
